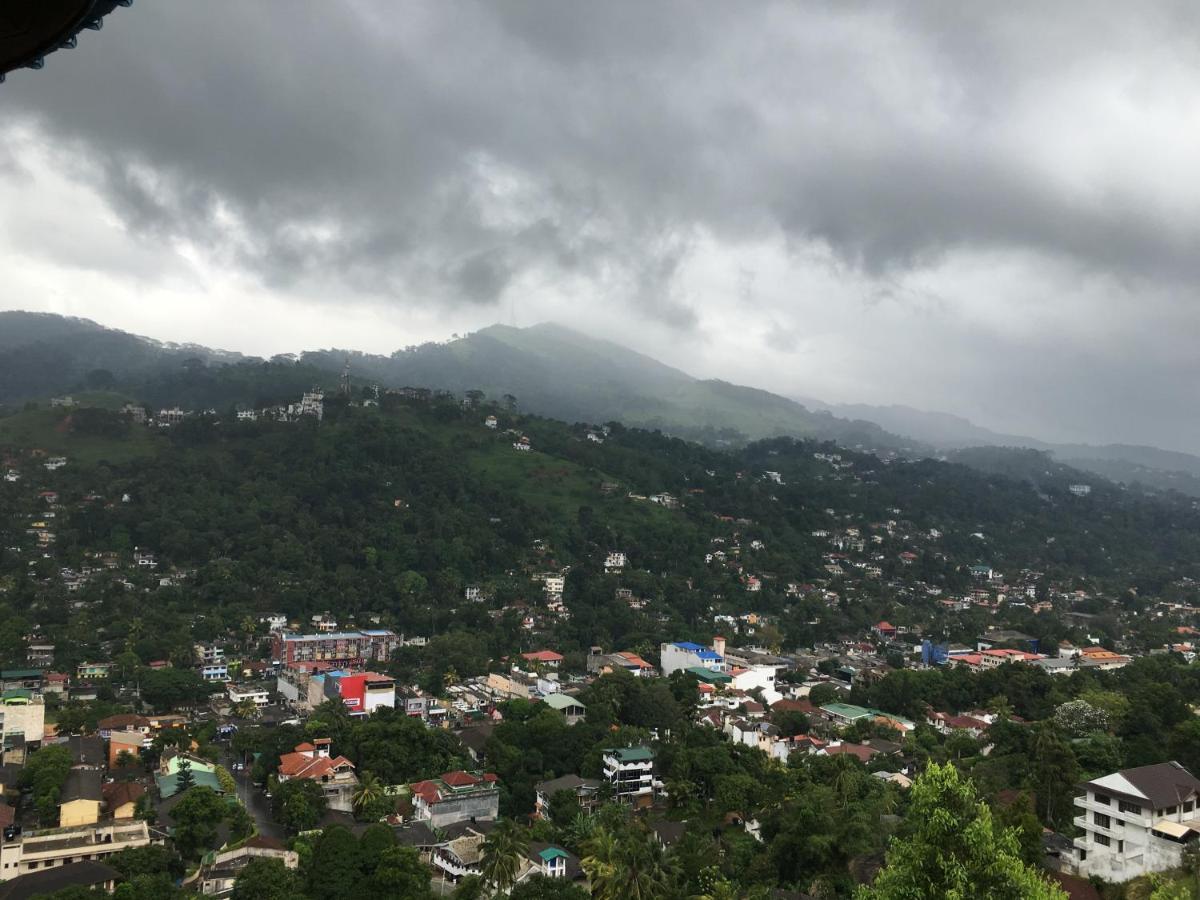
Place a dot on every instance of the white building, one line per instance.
(686, 655)
(53, 847)
(614, 562)
(1080, 490)
(1136, 821)
(630, 772)
(256, 694)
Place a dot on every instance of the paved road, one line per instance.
(254, 800)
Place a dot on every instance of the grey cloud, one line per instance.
(650, 117)
(447, 153)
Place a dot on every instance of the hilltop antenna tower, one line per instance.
(344, 386)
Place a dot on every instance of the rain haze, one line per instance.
(991, 210)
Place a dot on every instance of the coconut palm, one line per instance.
(244, 709)
(600, 860)
(503, 851)
(642, 870)
(370, 789)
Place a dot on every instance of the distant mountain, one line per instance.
(557, 372)
(43, 354)
(551, 370)
(1124, 463)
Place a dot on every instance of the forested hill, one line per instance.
(564, 374)
(553, 370)
(393, 510)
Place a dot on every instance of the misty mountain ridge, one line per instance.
(558, 372)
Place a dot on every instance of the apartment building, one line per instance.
(1136, 821)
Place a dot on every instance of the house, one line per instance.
(600, 663)
(586, 791)
(847, 714)
(362, 693)
(630, 773)
(86, 875)
(490, 422)
(131, 742)
(885, 630)
(1135, 821)
(121, 798)
(687, 655)
(218, 874)
(87, 751)
(128, 722)
(550, 861)
(614, 563)
(572, 710)
(258, 694)
(79, 801)
(204, 773)
(52, 848)
(23, 714)
(1100, 658)
(461, 853)
(87, 671)
(547, 658)
(456, 797)
(315, 762)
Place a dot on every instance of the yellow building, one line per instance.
(79, 803)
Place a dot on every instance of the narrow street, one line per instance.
(254, 800)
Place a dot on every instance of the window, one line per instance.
(1101, 839)
(1120, 846)
(1126, 807)
(1102, 799)
(1171, 810)
(1102, 820)
(1189, 806)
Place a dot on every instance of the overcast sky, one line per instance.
(988, 209)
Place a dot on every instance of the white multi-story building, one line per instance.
(614, 562)
(1136, 821)
(46, 849)
(259, 695)
(630, 772)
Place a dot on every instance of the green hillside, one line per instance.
(554, 371)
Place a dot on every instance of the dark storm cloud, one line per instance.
(453, 153)
(378, 143)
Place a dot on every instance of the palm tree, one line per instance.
(599, 861)
(245, 709)
(503, 851)
(369, 790)
(642, 870)
(249, 626)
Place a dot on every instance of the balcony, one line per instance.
(1131, 820)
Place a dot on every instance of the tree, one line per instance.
(1078, 718)
(267, 879)
(541, 888)
(336, 864)
(503, 851)
(245, 709)
(370, 789)
(951, 848)
(298, 804)
(197, 815)
(564, 807)
(1020, 818)
(1053, 775)
(399, 872)
(185, 779)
